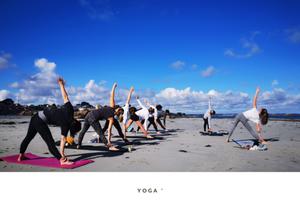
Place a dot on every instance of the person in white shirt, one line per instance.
(126, 114)
(259, 117)
(137, 116)
(207, 117)
(152, 117)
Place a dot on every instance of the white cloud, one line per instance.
(190, 101)
(14, 85)
(44, 65)
(209, 71)
(251, 47)
(275, 83)
(293, 35)
(178, 65)
(4, 94)
(4, 60)
(40, 87)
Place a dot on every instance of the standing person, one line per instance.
(104, 113)
(259, 117)
(63, 117)
(207, 117)
(137, 116)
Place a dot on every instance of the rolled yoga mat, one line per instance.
(50, 162)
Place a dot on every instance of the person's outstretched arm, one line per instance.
(209, 103)
(140, 103)
(112, 96)
(129, 95)
(255, 97)
(64, 93)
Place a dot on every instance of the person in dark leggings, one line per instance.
(135, 118)
(119, 129)
(207, 117)
(104, 113)
(161, 114)
(151, 120)
(63, 117)
(258, 117)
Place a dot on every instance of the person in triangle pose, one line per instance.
(258, 116)
(63, 117)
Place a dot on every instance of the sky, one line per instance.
(174, 53)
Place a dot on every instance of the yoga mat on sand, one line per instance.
(244, 143)
(43, 161)
(211, 133)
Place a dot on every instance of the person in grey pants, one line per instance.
(258, 117)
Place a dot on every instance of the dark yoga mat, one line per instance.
(245, 144)
(43, 161)
(211, 133)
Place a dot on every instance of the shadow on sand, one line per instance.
(102, 151)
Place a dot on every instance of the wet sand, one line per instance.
(181, 149)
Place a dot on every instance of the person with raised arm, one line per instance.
(152, 117)
(207, 117)
(258, 116)
(126, 114)
(62, 117)
(160, 113)
(104, 113)
(137, 116)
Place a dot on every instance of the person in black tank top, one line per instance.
(104, 113)
(63, 117)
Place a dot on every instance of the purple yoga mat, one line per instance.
(43, 161)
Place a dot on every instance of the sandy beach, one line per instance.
(181, 149)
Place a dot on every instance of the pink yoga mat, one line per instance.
(43, 161)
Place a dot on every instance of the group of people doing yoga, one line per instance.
(112, 115)
(259, 116)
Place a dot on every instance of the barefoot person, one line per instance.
(160, 113)
(137, 116)
(207, 117)
(152, 117)
(126, 114)
(259, 117)
(104, 113)
(118, 127)
(63, 117)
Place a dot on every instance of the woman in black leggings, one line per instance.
(63, 117)
(104, 113)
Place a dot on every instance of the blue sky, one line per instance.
(155, 45)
